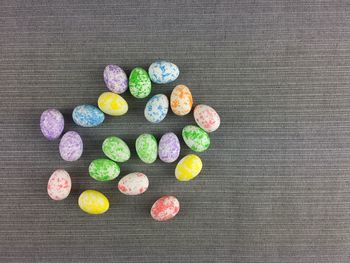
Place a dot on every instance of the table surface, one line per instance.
(275, 182)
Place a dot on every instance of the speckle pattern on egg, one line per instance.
(139, 83)
(116, 149)
(169, 147)
(87, 115)
(59, 185)
(196, 138)
(103, 170)
(71, 146)
(146, 148)
(181, 100)
(51, 124)
(188, 167)
(206, 117)
(163, 72)
(165, 208)
(156, 108)
(115, 79)
(93, 202)
(112, 104)
(133, 184)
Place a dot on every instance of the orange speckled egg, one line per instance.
(181, 100)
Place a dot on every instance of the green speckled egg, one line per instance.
(139, 83)
(116, 149)
(196, 138)
(103, 170)
(146, 148)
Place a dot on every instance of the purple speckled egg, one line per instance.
(115, 79)
(71, 146)
(169, 147)
(51, 124)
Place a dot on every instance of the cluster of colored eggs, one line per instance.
(117, 151)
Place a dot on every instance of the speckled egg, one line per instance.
(139, 83)
(163, 72)
(87, 115)
(103, 170)
(116, 149)
(169, 147)
(157, 108)
(115, 79)
(71, 146)
(112, 104)
(181, 100)
(206, 117)
(93, 202)
(133, 184)
(188, 167)
(196, 138)
(165, 208)
(146, 148)
(59, 185)
(51, 124)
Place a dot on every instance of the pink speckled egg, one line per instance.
(165, 208)
(206, 117)
(133, 184)
(59, 185)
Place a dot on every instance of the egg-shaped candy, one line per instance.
(146, 148)
(51, 124)
(71, 146)
(163, 72)
(181, 100)
(116, 149)
(87, 115)
(115, 79)
(196, 138)
(188, 167)
(169, 147)
(206, 117)
(139, 83)
(133, 184)
(93, 202)
(59, 185)
(103, 170)
(112, 104)
(165, 208)
(157, 108)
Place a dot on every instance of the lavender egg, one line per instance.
(71, 146)
(169, 147)
(115, 79)
(51, 124)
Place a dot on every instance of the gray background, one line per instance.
(275, 182)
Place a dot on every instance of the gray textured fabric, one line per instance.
(275, 182)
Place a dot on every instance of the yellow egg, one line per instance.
(93, 202)
(188, 167)
(112, 104)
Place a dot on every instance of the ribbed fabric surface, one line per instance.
(275, 182)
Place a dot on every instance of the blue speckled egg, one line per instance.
(87, 115)
(157, 108)
(162, 72)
